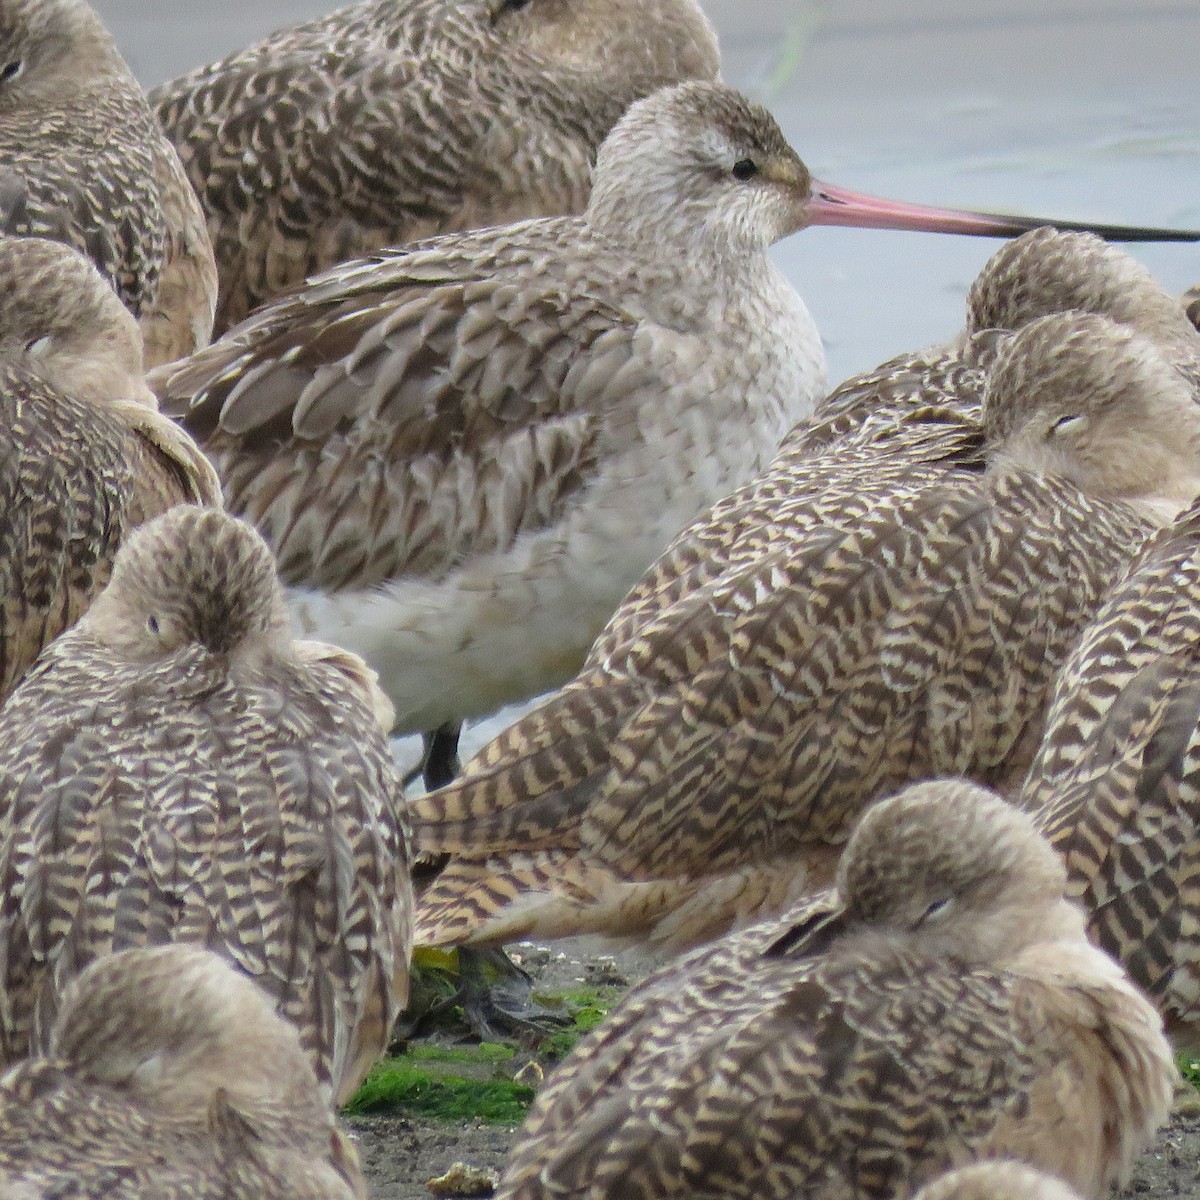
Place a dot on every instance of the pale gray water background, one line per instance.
(1074, 108)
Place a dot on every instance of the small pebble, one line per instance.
(463, 1180)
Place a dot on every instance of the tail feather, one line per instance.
(555, 894)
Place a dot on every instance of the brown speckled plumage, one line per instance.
(1116, 782)
(943, 1005)
(85, 457)
(168, 1077)
(454, 439)
(176, 768)
(875, 618)
(83, 161)
(394, 120)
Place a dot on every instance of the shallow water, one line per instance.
(1072, 108)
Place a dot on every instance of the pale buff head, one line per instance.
(1078, 396)
(1006, 1180)
(953, 867)
(61, 321)
(193, 577)
(699, 162)
(1047, 271)
(173, 1025)
(640, 39)
(53, 48)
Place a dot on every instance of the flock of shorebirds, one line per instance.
(505, 396)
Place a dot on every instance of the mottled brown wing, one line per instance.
(312, 157)
(1116, 782)
(260, 818)
(921, 640)
(922, 644)
(179, 320)
(942, 376)
(398, 414)
(746, 1073)
(65, 484)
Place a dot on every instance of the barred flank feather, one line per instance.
(1116, 782)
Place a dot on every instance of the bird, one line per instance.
(1046, 270)
(1115, 785)
(941, 1005)
(451, 444)
(1093, 402)
(86, 455)
(177, 768)
(910, 398)
(449, 439)
(1005, 1179)
(168, 1074)
(394, 120)
(872, 618)
(84, 161)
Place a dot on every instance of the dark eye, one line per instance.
(10, 71)
(152, 624)
(936, 908)
(508, 6)
(745, 168)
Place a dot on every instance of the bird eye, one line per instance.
(10, 71)
(1072, 423)
(38, 345)
(745, 168)
(935, 910)
(509, 6)
(152, 623)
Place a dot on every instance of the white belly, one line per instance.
(506, 626)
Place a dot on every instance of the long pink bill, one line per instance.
(837, 206)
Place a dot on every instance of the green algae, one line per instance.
(1189, 1068)
(446, 1083)
(456, 1082)
(587, 1007)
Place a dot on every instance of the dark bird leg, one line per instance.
(439, 763)
(496, 998)
(479, 992)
